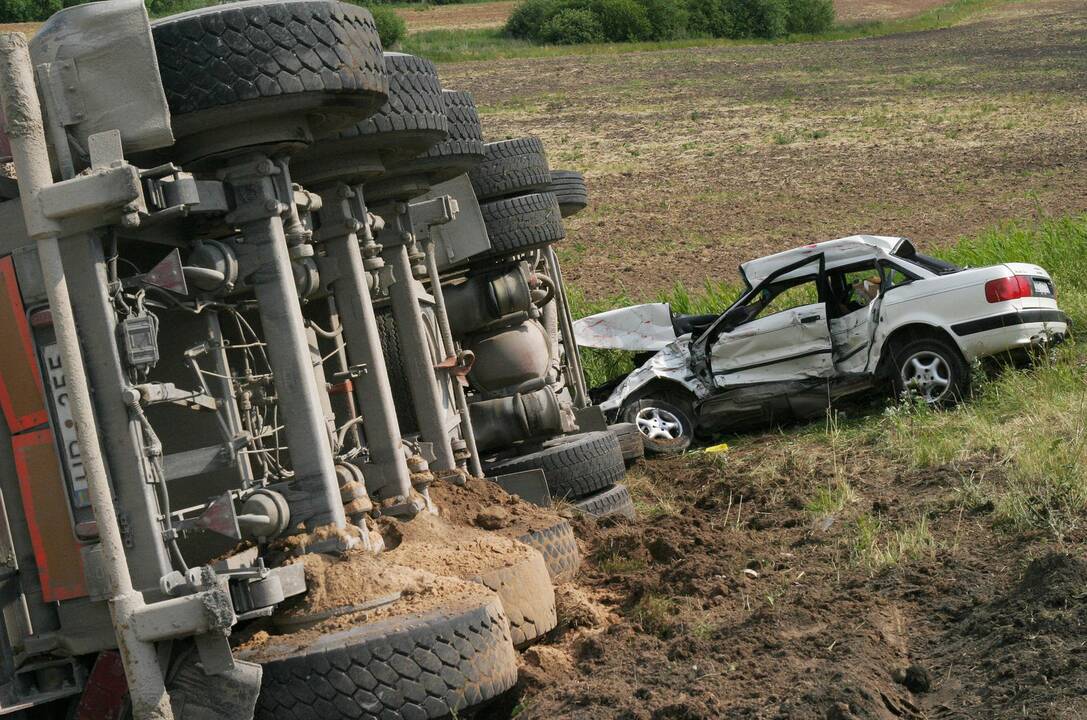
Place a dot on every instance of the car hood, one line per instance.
(638, 328)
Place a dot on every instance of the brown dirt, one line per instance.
(860, 11)
(483, 504)
(699, 159)
(350, 580)
(457, 17)
(435, 545)
(772, 612)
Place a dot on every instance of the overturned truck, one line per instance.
(269, 302)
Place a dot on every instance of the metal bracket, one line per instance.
(436, 211)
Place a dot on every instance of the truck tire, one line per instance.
(575, 465)
(558, 545)
(630, 441)
(612, 501)
(569, 187)
(398, 379)
(430, 665)
(517, 225)
(462, 151)
(412, 120)
(511, 167)
(251, 61)
(527, 595)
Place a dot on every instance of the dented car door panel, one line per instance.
(788, 345)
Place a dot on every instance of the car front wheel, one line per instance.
(665, 423)
(930, 370)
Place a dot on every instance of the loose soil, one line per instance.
(353, 579)
(468, 16)
(737, 602)
(482, 504)
(701, 158)
(435, 545)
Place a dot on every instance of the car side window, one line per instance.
(852, 289)
(894, 277)
(776, 298)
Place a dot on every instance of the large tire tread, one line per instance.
(425, 666)
(558, 545)
(511, 167)
(414, 118)
(517, 225)
(527, 595)
(568, 187)
(611, 501)
(575, 466)
(242, 52)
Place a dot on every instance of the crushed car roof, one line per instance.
(837, 252)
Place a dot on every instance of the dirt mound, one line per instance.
(730, 598)
(434, 544)
(336, 585)
(1023, 648)
(484, 504)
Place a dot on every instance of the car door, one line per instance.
(778, 333)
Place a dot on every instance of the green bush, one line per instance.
(529, 17)
(810, 16)
(390, 26)
(738, 18)
(571, 26)
(668, 19)
(567, 21)
(622, 20)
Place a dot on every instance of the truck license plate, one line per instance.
(64, 426)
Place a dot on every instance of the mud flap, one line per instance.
(231, 695)
(531, 485)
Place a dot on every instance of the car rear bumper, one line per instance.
(1014, 319)
(1018, 330)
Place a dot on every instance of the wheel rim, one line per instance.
(927, 375)
(658, 424)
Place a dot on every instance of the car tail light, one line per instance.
(1010, 288)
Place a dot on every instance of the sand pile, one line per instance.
(483, 504)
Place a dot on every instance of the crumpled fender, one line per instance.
(638, 328)
(672, 363)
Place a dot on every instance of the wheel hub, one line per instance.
(927, 375)
(658, 424)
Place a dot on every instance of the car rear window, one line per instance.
(932, 264)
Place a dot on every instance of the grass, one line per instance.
(878, 549)
(654, 613)
(456, 45)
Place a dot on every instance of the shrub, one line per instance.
(571, 26)
(578, 21)
(622, 20)
(667, 19)
(528, 18)
(738, 18)
(390, 26)
(810, 16)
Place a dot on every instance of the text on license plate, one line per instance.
(57, 383)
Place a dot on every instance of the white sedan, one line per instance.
(815, 324)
